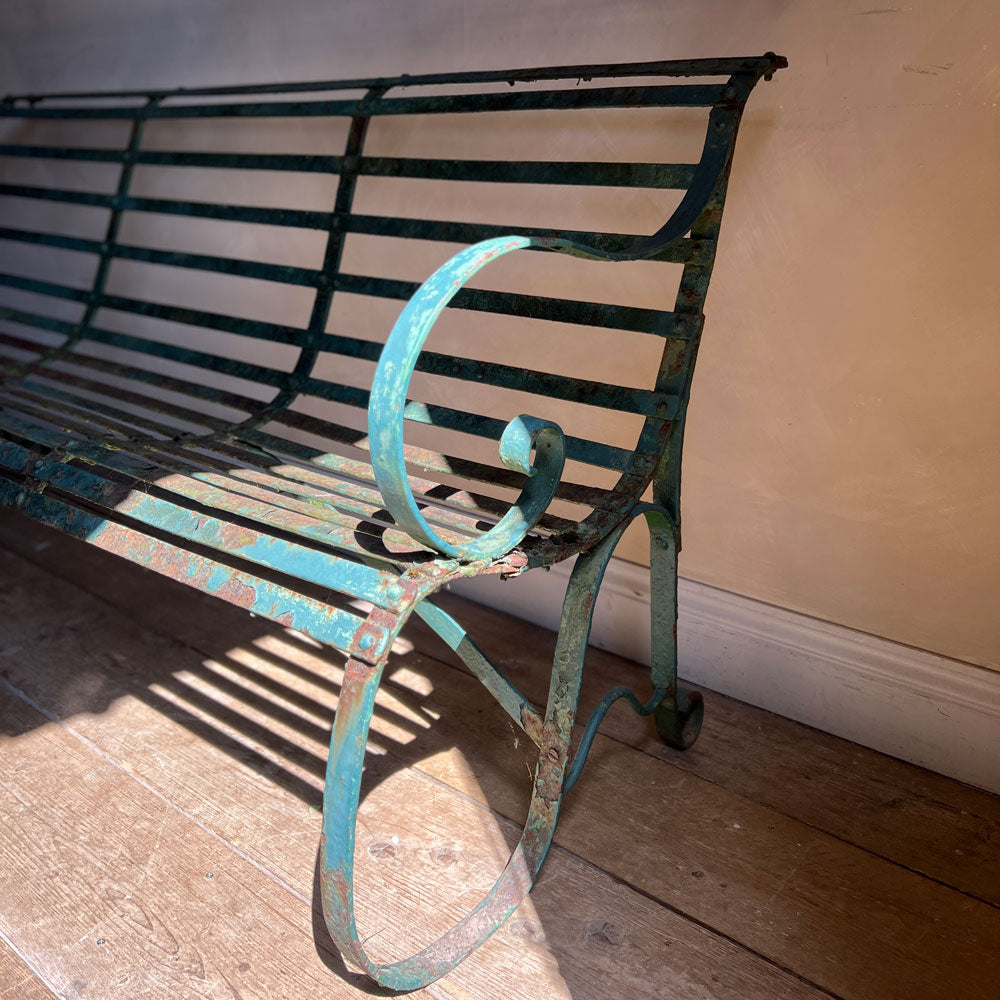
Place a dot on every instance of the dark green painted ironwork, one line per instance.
(217, 487)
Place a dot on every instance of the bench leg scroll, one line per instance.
(343, 783)
(677, 713)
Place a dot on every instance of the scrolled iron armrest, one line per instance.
(523, 433)
(399, 357)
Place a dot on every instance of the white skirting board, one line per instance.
(919, 706)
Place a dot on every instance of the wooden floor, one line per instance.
(161, 759)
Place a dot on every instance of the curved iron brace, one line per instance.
(677, 714)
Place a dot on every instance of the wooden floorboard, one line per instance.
(677, 875)
(17, 980)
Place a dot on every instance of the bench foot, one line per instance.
(679, 721)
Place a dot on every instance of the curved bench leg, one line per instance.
(678, 717)
(343, 785)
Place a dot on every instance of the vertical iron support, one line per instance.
(310, 343)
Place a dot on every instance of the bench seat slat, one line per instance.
(338, 496)
(318, 566)
(419, 458)
(269, 600)
(367, 540)
(112, 419)
(146, 402)
(189, 389)
(589, 496)
(578, 449)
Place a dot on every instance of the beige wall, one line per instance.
(843, 456)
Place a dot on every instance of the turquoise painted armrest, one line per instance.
(523, 433)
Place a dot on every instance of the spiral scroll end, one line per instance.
(524, 433)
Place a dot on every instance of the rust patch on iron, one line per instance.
(238, 593)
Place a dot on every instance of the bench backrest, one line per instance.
(246, 249)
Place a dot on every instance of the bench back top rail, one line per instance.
(95, 332)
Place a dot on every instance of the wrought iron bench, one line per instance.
(219, 471)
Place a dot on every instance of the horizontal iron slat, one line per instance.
(50, 288)
(654, 321)
(319, 566)
(664, 95)
(9, 340)
(62, 152)
(26, 318)
(307, 486)
(578, 449)
(69, 421)
(31, 392)
(420, 458)
(301, 163)
(283, 273)
(683, 251)
(643, 175)
(192, 390)
(169, 158)
(273, 332)
(300, 219)
(50, 240)
(57, 194)
(150, 403)
(437, 496)
(767, 63)
(614, 397)
(188, 356)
